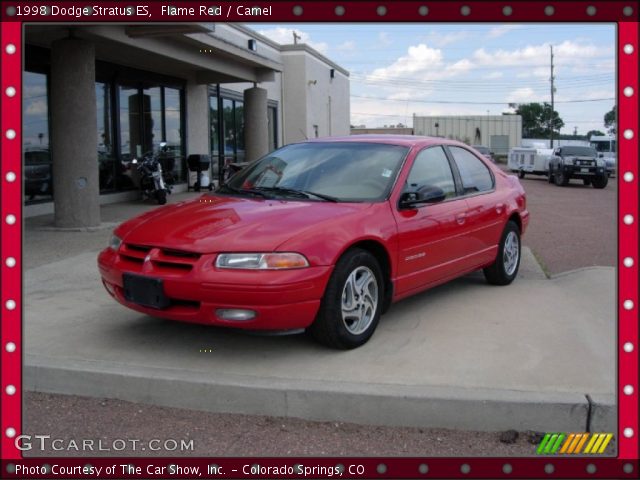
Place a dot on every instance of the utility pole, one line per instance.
(553, 89)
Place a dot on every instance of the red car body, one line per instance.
(179, 243)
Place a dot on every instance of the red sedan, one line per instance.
(322, 235)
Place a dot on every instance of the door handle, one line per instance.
(461, 218)
(499, 208)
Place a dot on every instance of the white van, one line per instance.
(606, 147)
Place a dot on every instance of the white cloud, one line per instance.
(348, 46)
(384, 39)
(502, 30)
(284, 36)
(440, 40)
(36, 107)
(566, 53)
(522, 95)
(493, 75)
(419, 59)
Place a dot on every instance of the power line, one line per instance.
(463, 102)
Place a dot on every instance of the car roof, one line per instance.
(403, 140)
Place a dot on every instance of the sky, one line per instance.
(397, 70)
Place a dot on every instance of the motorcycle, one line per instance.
(152, 183)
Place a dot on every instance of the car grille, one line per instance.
(162, 259)
(585, 163)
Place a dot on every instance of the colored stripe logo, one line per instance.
(574, 443)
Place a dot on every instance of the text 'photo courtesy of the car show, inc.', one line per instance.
(319, 239)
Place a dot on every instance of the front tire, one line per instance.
(505, 268)
(521, 174)
(600, 182)
(561, 179)
(352, 304)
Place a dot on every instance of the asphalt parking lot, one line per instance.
(571, 227)
(579, 221)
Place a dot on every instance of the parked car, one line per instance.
(486, 151)
(322, 235)
(37, 172)
(577, 162)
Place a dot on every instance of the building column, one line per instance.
(74, 134)
(256, 129)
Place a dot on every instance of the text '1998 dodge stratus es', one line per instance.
(322, 235)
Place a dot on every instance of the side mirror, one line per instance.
(601, 155)
(557, 151)
(423, 194)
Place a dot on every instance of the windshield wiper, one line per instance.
(299, 193)
(245, 190)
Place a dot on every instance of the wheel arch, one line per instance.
(381, 254)
(515, 218)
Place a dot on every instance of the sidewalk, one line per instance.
(463, 355)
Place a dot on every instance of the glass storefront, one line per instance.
(135, 115)
(151, 124)
(226, 121)
(35, 138)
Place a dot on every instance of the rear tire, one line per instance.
(505, 268)
(521, 174)
(352, 304)
(600, 182)
(161, 196)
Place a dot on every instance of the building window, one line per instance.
(151, 124)
(35, 138)
(226, 117)
(109, 169)
(233, 130)
(272, 118)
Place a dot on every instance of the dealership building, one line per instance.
(97, 96)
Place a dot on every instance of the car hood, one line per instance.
(214, 223)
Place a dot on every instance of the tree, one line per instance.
(610, 121)
(594, 133)
(538, 119)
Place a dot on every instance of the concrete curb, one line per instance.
(373, 404)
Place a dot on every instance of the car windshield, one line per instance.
(579, 151)
(329, 171)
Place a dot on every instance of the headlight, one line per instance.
(261, 261)
(114, 242)
(601, 163)
(569, 160)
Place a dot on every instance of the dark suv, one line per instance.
(577, 162)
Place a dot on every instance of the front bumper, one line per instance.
(281, 300)
(584, 171)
